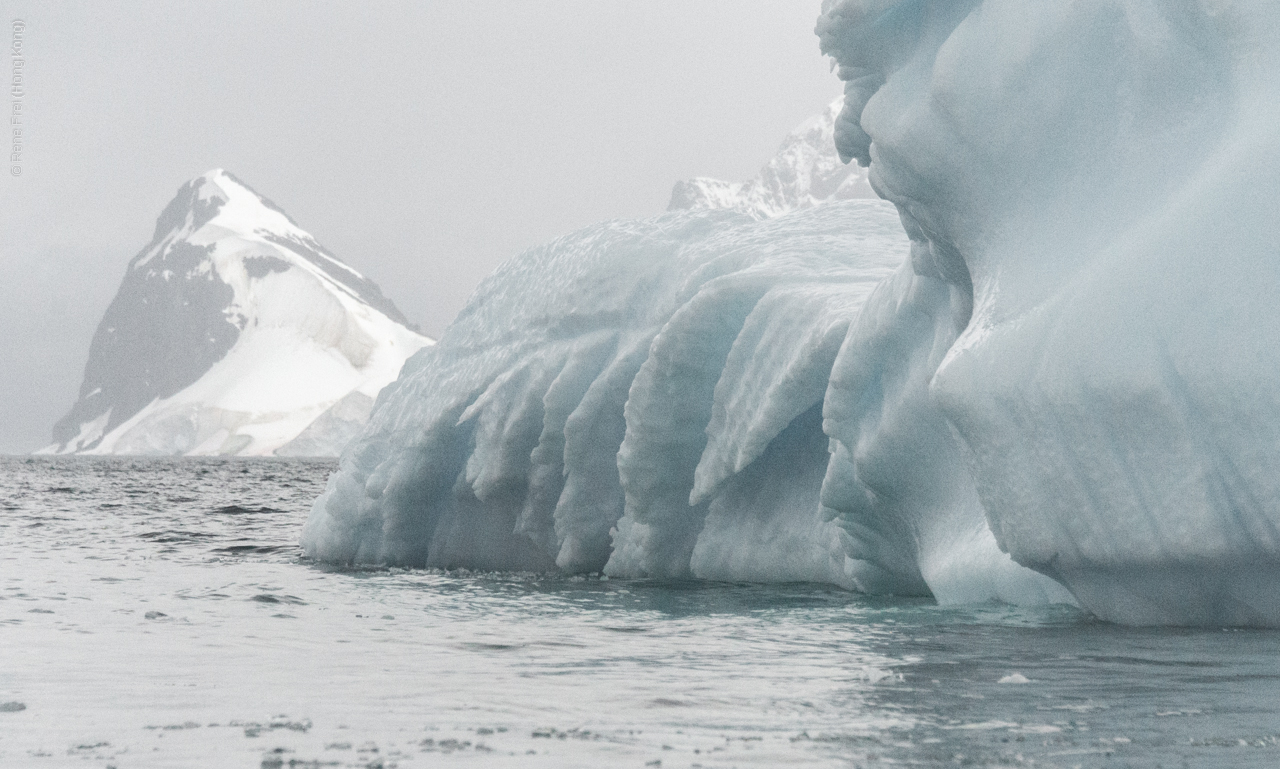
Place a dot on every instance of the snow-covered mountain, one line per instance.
(234, 332)
(805, 172)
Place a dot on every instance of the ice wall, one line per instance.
(602, 401)
(1095, 185)
(647, 398)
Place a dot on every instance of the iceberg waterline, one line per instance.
(1046, 372)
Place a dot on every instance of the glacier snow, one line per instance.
(1043, 369)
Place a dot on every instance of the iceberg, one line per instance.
(1041, 369)
(1095, 183)
(601, 400)
(646, 398)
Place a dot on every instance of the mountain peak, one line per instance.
(232, 318)
(217, 194)
(216, 204)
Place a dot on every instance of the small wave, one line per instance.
(272, 598)
(252, 549)
(238, 510)
(169, 536)
(480, 646)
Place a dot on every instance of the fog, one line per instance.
(422, 143)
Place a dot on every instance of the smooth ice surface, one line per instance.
(155, 613)
(1092, 186)
(232, 333)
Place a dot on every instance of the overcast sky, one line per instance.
(423, 143)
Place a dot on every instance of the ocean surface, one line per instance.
(158, 613)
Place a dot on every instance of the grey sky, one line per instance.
(422, 143)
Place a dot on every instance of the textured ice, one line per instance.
(646, 398)
(600, 399)
(1049, 375)
(1093, 186)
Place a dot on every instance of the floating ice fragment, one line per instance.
(1014, 678)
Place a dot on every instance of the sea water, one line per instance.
(158, 613)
